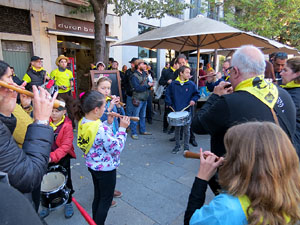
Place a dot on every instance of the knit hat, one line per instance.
(60, 58)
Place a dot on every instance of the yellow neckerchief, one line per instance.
(180, 81)
(172, 68)
(245, 203)
(37, 70)
(86, 134)
(265, 91)
(291, 84)
(227, 78)
(54, 126)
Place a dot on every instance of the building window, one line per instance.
(15, 21)
(149, 56)
(197, 8)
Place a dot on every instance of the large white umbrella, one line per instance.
(195, 34)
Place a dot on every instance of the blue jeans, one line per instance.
(129, 106)
(139, 111)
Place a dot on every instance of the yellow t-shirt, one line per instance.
(62, 79)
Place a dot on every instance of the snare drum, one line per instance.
(54, 192)
(178, 119)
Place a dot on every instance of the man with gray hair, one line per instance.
(247, 97)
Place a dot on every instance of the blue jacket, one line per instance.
(179, 96)
(211, 86)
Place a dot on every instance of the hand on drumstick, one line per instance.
(192, 103)
(209, 163)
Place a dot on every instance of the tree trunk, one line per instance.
(100, 12)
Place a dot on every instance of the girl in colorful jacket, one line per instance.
(260, 179)
(101, 148)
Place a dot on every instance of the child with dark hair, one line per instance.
(62, 151)
(101, 148)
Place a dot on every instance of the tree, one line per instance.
(274, 19)
(157, 9)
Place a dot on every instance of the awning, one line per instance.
(77, 34)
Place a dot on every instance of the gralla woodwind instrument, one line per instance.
(133, 118)
(29, 94)
(194, 155)
(121, 103)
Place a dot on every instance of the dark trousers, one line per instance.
(36, 197)
(65, 162)
(104, 186)
(68, 98)
(149, 108)
(165, 120)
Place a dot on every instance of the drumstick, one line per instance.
(194, 155)
(29, 94)
(171, 108)
(83, 212)
(185, 108)
(121, 103)
(133, 118)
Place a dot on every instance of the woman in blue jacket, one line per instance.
(260, 179)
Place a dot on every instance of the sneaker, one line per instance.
(69, 210)
(117, 194)
(113, 204)
(146, 133)
(175, 150)
(44, 213)
(134, 137)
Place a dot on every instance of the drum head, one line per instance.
(178, 114)
(52, 181)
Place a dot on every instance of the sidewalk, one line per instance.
(155, 183)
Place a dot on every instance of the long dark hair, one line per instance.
(3, 67)
(88, 102)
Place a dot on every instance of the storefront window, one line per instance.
(149, 56)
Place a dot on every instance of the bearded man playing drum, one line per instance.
(181, 94)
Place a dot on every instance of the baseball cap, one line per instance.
(35, 58)
(133, 60)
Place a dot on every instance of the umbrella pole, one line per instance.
(198, 60)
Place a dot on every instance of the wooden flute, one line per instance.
(121, 103)
(133, 118)
(29, 94)
(194, 155)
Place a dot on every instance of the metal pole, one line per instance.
(198, 59)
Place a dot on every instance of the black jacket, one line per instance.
(196, 199)
(25, 167)
(295, 94)
(126, 82)
(220, 113)
(166, 75)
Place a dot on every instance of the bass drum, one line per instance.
(54, 192)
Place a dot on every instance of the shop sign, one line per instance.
(74, 25)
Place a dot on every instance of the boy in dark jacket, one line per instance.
(179, 94)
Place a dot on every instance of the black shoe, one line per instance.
(175, 150)
(149, 121)
(171, 131)
(172, 139)
(165, 130)
(193, 142)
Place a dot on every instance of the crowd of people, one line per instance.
(252, 114)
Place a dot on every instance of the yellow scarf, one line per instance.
(291, 84)
(245, 203)
(172, 69)
(265, 91)
(54, 126)
(37, 70)
(180, 81)
(86, 134)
